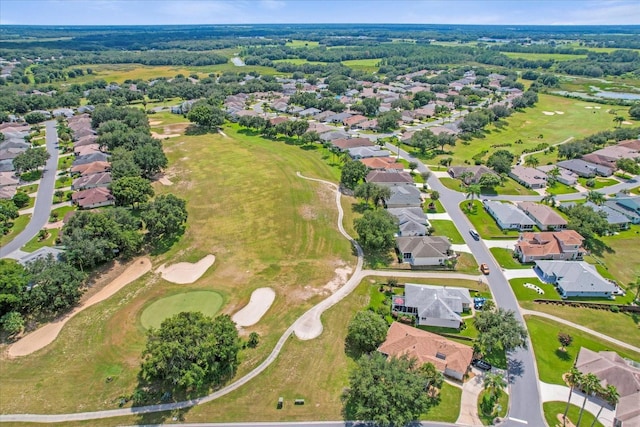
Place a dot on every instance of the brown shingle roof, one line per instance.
(406, 340)
(547, 242)
(541, 213)
(346, 143)
(382, 163)
(389, 177)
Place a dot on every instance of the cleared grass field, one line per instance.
(551, 361)
(543, 56)
(266, 226)
(298, 61)
(528, 125)
(302, 43)
(206, 302)
(366, 65)
(624, 259)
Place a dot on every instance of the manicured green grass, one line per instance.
(36, 243)
(61, 212)
(448, 409)
(451, 183)
(552, 362)
(64, 162)
(28, 189)
(437, 205)
(239, 217)
(508, 188)
(623, 262)
(298, 61)
(487, 418)
(543, 56)
(469, 331)
(62, 182)
(553, 409)
(206, 302)
(599, 182)
(577, 121)
(560, 188)
(19, 224)
(483, 222)
(505, 258)
(447, 228)
(524, 295)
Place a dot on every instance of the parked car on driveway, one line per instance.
(481, 364)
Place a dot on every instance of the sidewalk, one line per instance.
(560, 393)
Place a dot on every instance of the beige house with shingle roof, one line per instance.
(425, 250)
(449, 357)
(544, 216)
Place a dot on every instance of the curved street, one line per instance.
(44, 199)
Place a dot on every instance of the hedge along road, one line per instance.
(44, 199)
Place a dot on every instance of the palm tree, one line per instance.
(589, 385)
(494, 384)
(552, 176)
(611, 396)
(635, 285)
(464, 177)
(618, 120)
(471, 193)
(595, 197)
(532, 161)
(573, 378)
(549, 198)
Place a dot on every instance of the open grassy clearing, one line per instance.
(551, 361)
(444, 227)
(19, 224)
(624, 259)
(366, 65)
(236, 215)
(543, 56)
(484, 223)
(553, 409)
(298, 61)
(206, 302)
(505, 258)
(302, 43)
(577, 122)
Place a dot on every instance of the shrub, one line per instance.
(591, 182)
(614, 309)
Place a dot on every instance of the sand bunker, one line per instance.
(186, 272)
(589, 108)
(250, 314)
(45, 335)
(548, 113)
(155, 122)
(559, 112)
(626, 122)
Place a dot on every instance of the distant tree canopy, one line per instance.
(191, 351)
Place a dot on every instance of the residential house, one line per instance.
(85, 150)
(345, 144)
(554, 245)
(566, 176)
(367, 125)
(87, 140)
(508, 216)
(320, 128)
(90, 158)
(611, 369)
(85, 182)
(91, 168)
(323, 116)
(278, 120)
(614, 218)
(585, 169)
(338, 118)
(575, 279)
(405, 196)
(433, 305)
(544, 216)
(333, 135)
(529, 177)
(628, 206)
(390, 178)
(423, 251)
(382, 163)
(608, 156)
(8, 184)
(449, 357)
(354, 120)
(412, 221)
(93, 198)
(358, 153)
(82, 132)
(475, 171)
(309, 112)
(43, 252)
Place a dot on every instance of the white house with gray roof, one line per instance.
(406, 196)
(423, 251)
(508, 216)
(575, 279)
(411, 221)
(434, 305)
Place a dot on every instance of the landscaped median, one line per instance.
(553, 409)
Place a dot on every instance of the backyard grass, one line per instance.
(487, 418)
(266, 228)
(552, 362)
(553, 409)
(19, 224)
(528, 125)
(505, 258)
(543, 56)
(444, 227)
(623, 262)
(483, 222)
(36, 243)
(599, 182)
(206, 302)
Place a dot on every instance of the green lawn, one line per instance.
(61, 212)
(36, 243)
(505, 258)
(553, 409)
(552, 362)
(623, 262)
(466, 263)
(543, 56)
(484, 223)
(302, 43)
(526, 295)
(437, 204)
(560, 188)
(366, 65)
(19, 224)
(448, 409)
(64, 181)
(447, 228)
(487, 418)
(65, 162)
(29, 189)
(528, 125)
(206, 302)
(509, 188)
(599, 182)
(298, 61)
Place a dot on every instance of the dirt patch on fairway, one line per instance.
(164, 135)
(164, 178)
(186, 272)
(47, 334)
(250, 314)
(340, 278)
(626, 122)
(155, 122)
(307, 212)
(171, 131)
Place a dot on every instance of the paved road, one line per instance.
(523, 376)
(45, 195)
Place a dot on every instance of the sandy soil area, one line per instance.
(52, 225)
(164, 135)
(548, 113)
(186, 272)
(250, 314)
(155, 122)
(44, 336)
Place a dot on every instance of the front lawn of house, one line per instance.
(483, 222)
(505, 258)
(444, 227)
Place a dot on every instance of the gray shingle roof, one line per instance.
(576, 276)
(508, 213)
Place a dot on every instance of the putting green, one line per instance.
(206, 302)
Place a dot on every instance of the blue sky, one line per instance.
(148, 12)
